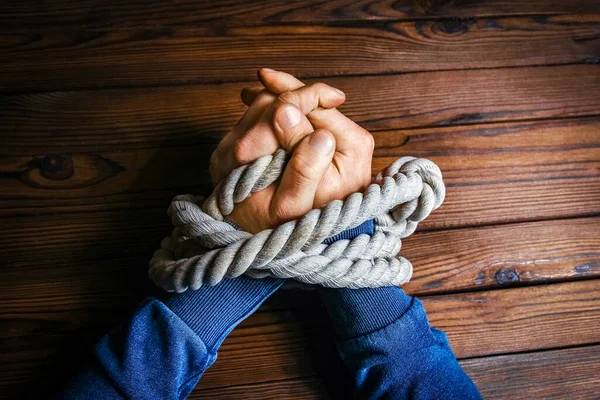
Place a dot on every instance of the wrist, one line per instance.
(213, 311)
(358, 312)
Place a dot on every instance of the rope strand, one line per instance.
(204, 249)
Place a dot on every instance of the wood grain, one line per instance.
(516, 254)
(109, 108)
(153, 56)
(505, 172)
(523, 319)
(72, 182)
(55, 287)
(111, 13)
(96, 121)
(557, 374)
(67, 297)
(554, 374)
(477, 324)
(84, 237)
(304, 388)
(277, 345)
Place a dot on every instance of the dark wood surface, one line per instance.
(110, 108)
(91, 14)
(48, 59)
(545, 374)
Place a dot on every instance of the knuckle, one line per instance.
(365, 139)
(241, 150)
(305, 172)
(370, 141)
(281, 211)
(293, 136)
(263, 96)
(288, 97)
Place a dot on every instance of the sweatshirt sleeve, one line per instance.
(166, 347)
(392, 352)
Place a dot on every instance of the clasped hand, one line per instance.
(330, 154)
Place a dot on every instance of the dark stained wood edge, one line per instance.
(157, 13)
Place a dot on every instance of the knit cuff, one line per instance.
(367, 227)
(213, 311)
(358, 312)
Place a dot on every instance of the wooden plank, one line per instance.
(303, 388)
(67, 297)
(469, 258)
(494, 173)
(59, 60)
(557, 374)
(80, 292)
(517, 320)
(477, 324)
(82, 237)
(278, 350)
(554, 374)
(71, 182)
(112, 13)
(505, 172)
(114, 119)
(495, 256)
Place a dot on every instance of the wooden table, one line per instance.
(110, 108)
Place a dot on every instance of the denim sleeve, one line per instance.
(392, 352)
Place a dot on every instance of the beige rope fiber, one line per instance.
(205, 249)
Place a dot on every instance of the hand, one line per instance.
(328, 163)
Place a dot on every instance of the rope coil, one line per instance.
(204, 249)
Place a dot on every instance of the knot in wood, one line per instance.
(506, 275)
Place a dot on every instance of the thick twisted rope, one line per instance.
(204, 249)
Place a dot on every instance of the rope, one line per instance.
(205, 249)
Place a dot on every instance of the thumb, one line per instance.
(309, 163)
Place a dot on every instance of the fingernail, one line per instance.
(339, 91)
(321, 142)
(288, 117)
(267, 70)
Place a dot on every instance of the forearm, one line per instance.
(387, 343)
(167, 346)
